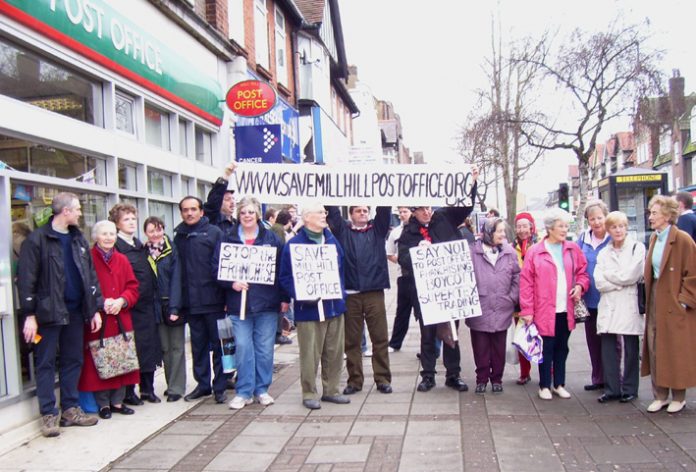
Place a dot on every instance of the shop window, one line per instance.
(125, 113)
(157, 127)
(165, 211)
(261, 33)
(159, 183)
(183, 137)
(280, 48)
(127, 176)
(204, 146)
(31, 78)
(26, 156)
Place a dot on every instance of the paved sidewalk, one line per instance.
(440, 430)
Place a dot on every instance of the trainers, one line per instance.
(561, 392)
(368, 353)
(76, 417)
(49, 426)
(391, 350)
(265, 399)
(238, 402)
(545, 394)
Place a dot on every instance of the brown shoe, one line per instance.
(49, 426)
(76, 417)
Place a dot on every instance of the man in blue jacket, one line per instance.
(318, 340)
(687, 218)
(203, 300)
(59, 293)
(367, 275)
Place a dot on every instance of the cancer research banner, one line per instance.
(445, 282)
(247, 263)
(315, 271)
(375, 185)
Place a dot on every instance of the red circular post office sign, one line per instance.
(251, 98)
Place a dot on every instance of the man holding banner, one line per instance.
(311, 272)
(367, 275)
(424, 228)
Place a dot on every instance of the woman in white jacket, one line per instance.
(618, 271)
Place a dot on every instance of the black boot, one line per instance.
(131, 398)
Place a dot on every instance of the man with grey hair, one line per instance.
(319, 340)
(59, 293)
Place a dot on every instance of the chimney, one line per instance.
(676, 94)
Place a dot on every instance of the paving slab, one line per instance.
(524, 446)
(620, 454)
(432, 443)
(337, 454)
(241, 462)
(203, 428)
(151, 459)
(385, 409)
(173, 442)
(424, 461)
(324, 429)
(431, 428)
(269, 443)
(378, 428)
(268, 428)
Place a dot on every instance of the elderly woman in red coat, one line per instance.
(120, 290)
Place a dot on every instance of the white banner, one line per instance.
(247, 263)
(315, 271)
(374, 185)
(445, 282)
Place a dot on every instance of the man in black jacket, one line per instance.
(59, 293)
(203, 300)
(426, 227)
(366, 277)
(220, 204)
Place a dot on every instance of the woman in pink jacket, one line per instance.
(552, 279)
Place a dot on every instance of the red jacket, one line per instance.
(116, 279)
(538, 284)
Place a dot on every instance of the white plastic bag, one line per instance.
(528, 341)
(510, 350)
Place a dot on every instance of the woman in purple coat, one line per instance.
(498, 281)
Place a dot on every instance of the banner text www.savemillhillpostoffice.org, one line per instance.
(410, 185)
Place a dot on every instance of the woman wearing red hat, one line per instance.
(525, 237)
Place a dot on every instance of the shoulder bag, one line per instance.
(115, 355)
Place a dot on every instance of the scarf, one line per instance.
(426, 235)
(155, 250)
(105, 254)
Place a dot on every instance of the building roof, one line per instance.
(312, 10)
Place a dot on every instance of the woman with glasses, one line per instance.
(255, 333)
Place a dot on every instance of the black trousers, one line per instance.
(404, 306)
(204, 337)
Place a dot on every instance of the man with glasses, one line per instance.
(59, 293)
(427, 227)
(367, 275)
(319, 341)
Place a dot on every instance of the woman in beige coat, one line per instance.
(669, 350)
(617, 273)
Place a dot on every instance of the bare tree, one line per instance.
(497, 134)
(600, 76)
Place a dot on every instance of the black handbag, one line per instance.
(641, 289)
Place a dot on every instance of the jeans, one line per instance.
(254, 338)
(68, 340)
(204, 337)
(555, 354)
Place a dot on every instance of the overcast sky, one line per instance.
(427, 60)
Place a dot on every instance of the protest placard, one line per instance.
(374, 185)
(315, 271)
(247, 263)
(445, 282)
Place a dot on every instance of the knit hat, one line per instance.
(528, 217)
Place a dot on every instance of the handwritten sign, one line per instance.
(246, 263)
(445, 282)
(396, 185)
(315, 270)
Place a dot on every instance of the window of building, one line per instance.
(202, 190)
(159, 183)
(157, 127)
(127, 176)
(26, 156)
(187, 187)
(204, 146)
(235, 20)
(167, 212)
(183, 137)
(125, 113)
(665, 141)
(31, 78)
(261, 33)
(280, 47)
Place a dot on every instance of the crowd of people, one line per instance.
(72, 296)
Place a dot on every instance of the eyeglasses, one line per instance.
(361, 210)
(247, 212)
(318, 212)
